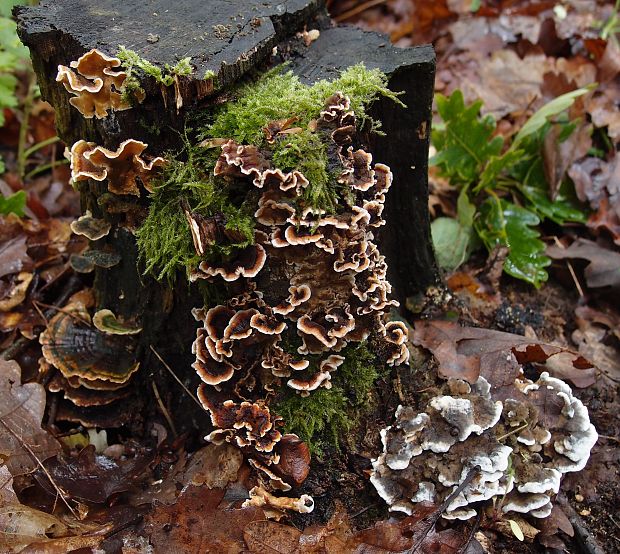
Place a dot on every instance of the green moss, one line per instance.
(279, 95)
(209, 74)
(326, 415)
(164, 239)
(317, 419)
(137, 68)
(358, 374)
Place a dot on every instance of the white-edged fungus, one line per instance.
(519, 448)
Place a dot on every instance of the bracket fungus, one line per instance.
(519, 447)
(96, 84)
(90, 227)
(123, 168)
(94, 367)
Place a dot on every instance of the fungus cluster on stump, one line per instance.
(519, 447)
(309, 284)
(96, 84)
(312, 283)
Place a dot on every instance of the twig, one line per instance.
(20, 344)
(163, 409)
(26, 447)
(357, 10)
(472, 533)
(432, 520)
(176, 378)
(609, 438)
(570, 269)
(71, 314)
(585, 539)
(518, 429)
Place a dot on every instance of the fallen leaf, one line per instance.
(604, 267)
(196, 524)
(213, 466)
(21, 525)
(13, 256)
(7, 494)
(469, 352)
(559, 156)
(91, 477)
(549, 527)
(592, 341)
(269, 537)
(23, 443)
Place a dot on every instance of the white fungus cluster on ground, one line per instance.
(520, 448)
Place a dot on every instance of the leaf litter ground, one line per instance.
(157, 495)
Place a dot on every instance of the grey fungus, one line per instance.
(519, 447)
(90, 227)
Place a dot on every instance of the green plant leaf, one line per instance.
(556, 106)
(466, 210)
(453, 242)
(464, 142)
(516, 530)
(495, 166)
(502, 223)
(13, 204)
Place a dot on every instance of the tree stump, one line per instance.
(228, 43)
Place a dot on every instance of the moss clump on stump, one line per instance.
(326, 415)
(164, 240)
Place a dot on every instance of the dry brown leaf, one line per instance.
(213, 466)
(7, 494)
(559, 156)
(549, 527)
(13, 256)
(468, 352)
(591, 339)
(22, 441)
(92, 478)
(196, 524)
(604, 267)
(269, 537)
(21, 525)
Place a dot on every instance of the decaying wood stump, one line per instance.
(227, 42)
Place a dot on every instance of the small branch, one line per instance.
(357, 10)
(20, 344)
(163, 409)
(518, 429)
(193, 397)
(27, 448)
(442, 508)
(585, 539)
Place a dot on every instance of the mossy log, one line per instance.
(227, 43)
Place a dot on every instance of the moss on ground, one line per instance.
(326, 415)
